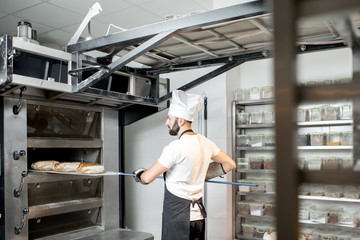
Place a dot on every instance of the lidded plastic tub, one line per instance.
(316, 139)
(330, 113)
(269, 163)
(269, 209)
(243, 140)
(302, 116)
(304, 211)
(334, 139)
(333, 191)
(243, 207)
(241, 94)
(348, 138)
(260, 185)
(248, 229)
(346, 218)
(242, 118)
(303, 139)
(256, 162)
(257, 140)
(270, 186)
(319, 216)
(256, 118)
(317, 190)
(269, 139)
(267, 92)
(254, 93)
(269, 117)
(347, 163)
(344, 80)
(311, 83)
(315, 114)
(244, 188)
(351, 192)
(301, 163)
(327, 82)
(242, 163)
(314, 163)
(346, 112)
(334, 215)
(331, 163)
(257, 209)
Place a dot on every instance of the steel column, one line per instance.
(285, 113)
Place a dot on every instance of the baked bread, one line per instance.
(66, 166)
(90, 168)
(45, 165)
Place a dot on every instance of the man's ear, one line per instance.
(181, 122)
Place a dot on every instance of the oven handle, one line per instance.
(18, 228)
(17, 191)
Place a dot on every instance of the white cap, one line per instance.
(185, 105)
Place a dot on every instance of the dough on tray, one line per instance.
(44, 165)
(90, 168)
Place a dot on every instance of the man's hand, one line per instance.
(214, 170)
(137, 175)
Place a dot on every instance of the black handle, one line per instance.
(205, 108)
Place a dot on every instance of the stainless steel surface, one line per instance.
(15, 138)
(55, 208)
(119, 234)
(42, 177)
(110, 156)
(63, 143)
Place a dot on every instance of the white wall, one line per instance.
(144, 141)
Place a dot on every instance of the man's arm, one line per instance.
(221, 165)
(148, 176)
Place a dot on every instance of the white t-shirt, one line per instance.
(187, 160)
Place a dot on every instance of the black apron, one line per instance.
(176, 217)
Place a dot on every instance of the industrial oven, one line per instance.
(42, 119)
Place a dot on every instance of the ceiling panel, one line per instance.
(8, 24)
(163, 8)
(130, 18)
(82, 6)
(57, 37)
(45, 13)
(97, 28)
(11, 6)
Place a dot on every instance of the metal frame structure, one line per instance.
(289, 95)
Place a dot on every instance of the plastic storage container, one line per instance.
(256, 162)
(330, 113)
(327, 82)
(269, 117)
(333, 191)
(242, 118)
(301, 163)
(314, 163)
(269, 209)
(257, 209)
(267, 92)
(248, 229)
(346, 112)
(347, 163)
(315, 114)
(303, 139)
(254, 93)
(256, 118)
(316, 139)
(348, 138)
(243, 140)
(243, 207)
(346, 218)
(331, 163)
(304, 189)
(311, 83)
(269, 163)
(304, 211)
(334, 216)
(302, 115)
(317, 190)
(319, 216)
(244, 188)
(257, 140)
(333, 139)
(260, 185)
(351, 192)
(270, 186)
(242, 163)
(260, 230)
(269, 139)
(344, 80)
(241, 94)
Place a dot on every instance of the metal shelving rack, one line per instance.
(289, 95)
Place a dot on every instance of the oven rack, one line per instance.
(49, 209)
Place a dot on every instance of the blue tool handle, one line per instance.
(207, 181)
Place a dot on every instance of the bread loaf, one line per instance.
(90, 168)
(45, 165)
(66, 166)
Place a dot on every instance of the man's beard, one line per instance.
(175, 129)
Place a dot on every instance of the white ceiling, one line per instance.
(57, 20)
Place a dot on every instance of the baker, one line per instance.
(186, 164)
